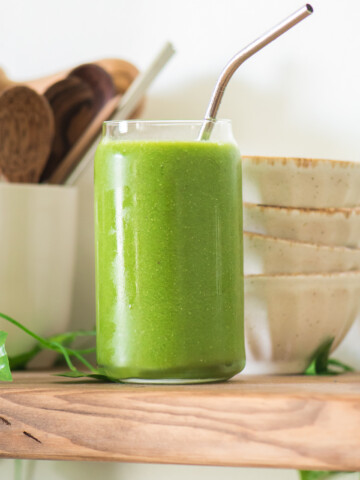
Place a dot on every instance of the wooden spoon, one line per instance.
(122, 72)
(26, 133)
(75, 101)
(71, 101)
(119, 107)
(99, 81)
(74, 156)
(71, 160)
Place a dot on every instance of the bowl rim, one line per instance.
(301, 162)
(346, 211)
(288, 241)
(304, 276)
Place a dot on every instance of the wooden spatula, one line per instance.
(26, 134)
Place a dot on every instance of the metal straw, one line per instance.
(240, 58)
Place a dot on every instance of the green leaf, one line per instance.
(312, 475)
(5, 373)
(318, 475)
(319, 362)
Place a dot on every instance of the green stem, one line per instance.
(41, 340)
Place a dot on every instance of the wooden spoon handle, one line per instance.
(26, 133)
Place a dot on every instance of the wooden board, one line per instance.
(293, 422)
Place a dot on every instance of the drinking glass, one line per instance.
(168, 229)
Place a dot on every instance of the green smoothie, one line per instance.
(169, 281)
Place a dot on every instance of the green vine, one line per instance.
(61, 344)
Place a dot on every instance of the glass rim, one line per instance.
(220, 121)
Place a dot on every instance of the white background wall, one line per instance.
(300, 96)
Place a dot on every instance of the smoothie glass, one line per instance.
(169, 273)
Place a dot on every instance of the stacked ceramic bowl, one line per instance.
(301, 259)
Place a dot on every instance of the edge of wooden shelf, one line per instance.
(287, 422)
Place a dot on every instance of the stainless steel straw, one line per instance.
(240, 58)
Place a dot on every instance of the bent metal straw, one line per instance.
(240, 58)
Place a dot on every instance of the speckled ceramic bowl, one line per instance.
(270, 255)
(321, 226)
(301, 182)
(288, 317)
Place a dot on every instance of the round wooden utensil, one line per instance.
(99, 80)
(122, 72)
(26, 133)
(75, 101)
(71, 101)
(119, 108)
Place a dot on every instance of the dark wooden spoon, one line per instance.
(122, 72)
(99, 81)
(75, 101)
(26, 134)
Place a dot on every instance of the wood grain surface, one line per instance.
(293, 422)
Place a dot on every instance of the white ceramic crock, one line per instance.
(37, 249)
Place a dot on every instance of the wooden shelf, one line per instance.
(294, 422)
